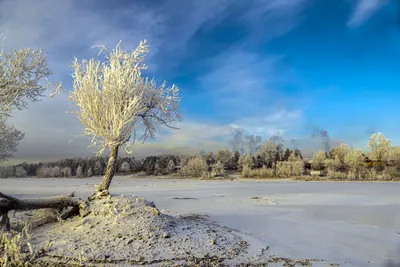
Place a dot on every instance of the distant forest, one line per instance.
(153, 165)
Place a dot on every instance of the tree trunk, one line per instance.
(111, 168)
(8, 203)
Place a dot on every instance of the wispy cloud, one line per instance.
(363, 10)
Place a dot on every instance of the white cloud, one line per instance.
(64, 29)
(282, 121)
(363, 10)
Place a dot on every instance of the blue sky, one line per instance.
(263, 66)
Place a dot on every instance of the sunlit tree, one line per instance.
(20, 75)
(318, 160)
(379, 146)
(113, 102)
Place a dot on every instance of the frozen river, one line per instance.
(351, 224)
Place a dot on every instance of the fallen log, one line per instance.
(8, 203)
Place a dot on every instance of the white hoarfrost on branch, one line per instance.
(20, 74)
(379, 146)
(113, 100)
(9, 139)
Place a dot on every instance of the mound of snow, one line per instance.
(131, 230)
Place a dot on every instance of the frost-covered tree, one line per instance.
(318, 160)
(171, 167)
(9, 139)
(98, 167)
(89, 172)
(268, 152)
(225, 156)
(354, 161)
(218, 168)
(20, 74)
(379, 146)
(79, 172)
(125, 167)
(339, 153)
(67, 172)
(113, 101)
(195, 167)
(394, 156)
(20, 172)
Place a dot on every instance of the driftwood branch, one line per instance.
(8, 203)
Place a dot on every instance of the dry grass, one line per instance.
(16, 250)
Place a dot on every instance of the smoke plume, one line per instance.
(323, 134)
(244, 143)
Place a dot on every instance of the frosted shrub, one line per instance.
(218, 168)
(79, 172)
(20, 172)
(318, 160)
(283, 168)
(89, 172)
(354, 161)
(390, 173)
(246, 171)
(332, 174)
(196, 167)
(125, 167)
(44, 172)
(297, 168)
(263, 172)
(379, 146)
(171, 167)
(225, 156)
(55, 172)
(369, 174)
(66, 172)
(244, 160)
(98, 168)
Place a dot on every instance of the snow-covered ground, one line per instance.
(348, 223)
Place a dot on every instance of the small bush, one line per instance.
(125, 167)
(283, 169)
(89, 172)
(263, 172)
(79, 172)
(391, 172)
(44, 172)
(66, 172)
(171, 167)
(56, 171)
(246, 170)
(196, 167)
(20, 172)
(218, 168)
(15, 249)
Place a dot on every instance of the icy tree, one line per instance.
(9, 139)
(379, 146)
(318, 160)
(268, 152)
(354, 161)
(339, 153)
(195, 167)
(20, 172)
(224, 156)
(89, 172)
(218, 168)
(171, 167)
(394, 156)
(125, 167)
(114, 101)
(79, 172)
(20, 74)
